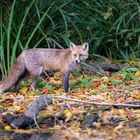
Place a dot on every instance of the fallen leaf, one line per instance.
(68, 115)
(137, 74)
(7, 128)
(14, 108)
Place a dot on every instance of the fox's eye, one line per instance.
(75, 55)
(80, 55)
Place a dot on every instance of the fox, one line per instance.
(32, 62)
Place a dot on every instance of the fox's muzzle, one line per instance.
(77, 61)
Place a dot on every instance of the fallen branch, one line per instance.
(99, 104)
(37, 105)
(28, 120)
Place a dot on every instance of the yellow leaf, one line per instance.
(56, 126)
(65, 112)
(14, 108)
(23, 90)
(68, 116)
(137, 74)
(136, 95)
(7, 127)
(105, 79)
(57, 74)
(133, 62)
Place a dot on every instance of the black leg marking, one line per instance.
(66, 83)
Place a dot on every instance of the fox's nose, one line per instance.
(77, 61)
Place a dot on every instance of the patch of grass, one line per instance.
(74, 88)
(49, 87)
(116, 82)
(36, 92)
(40, 84)
(95, 93)
(83, 82)
(128, 73)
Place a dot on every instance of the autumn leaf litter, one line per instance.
(112, 123)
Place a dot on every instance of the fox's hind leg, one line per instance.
(33, 75)
(33, 78)
(17, 84)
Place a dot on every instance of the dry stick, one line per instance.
(99, 104)
(36, 123)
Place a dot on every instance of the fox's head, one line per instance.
(79, 53)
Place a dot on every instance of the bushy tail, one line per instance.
(17, 70)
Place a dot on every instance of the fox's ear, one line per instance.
(72, 46)
(85, 46)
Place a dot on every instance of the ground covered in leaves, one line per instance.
(81, 121)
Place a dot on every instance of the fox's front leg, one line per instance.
(65, 81)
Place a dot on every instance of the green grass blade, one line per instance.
(8, 34)
(18, 34)
(2, 58)
(37, 26)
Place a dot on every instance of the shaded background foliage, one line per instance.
(110, 26)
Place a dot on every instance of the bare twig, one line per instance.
(99, 104)
(36, 123)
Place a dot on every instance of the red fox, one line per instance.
(33, 62)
